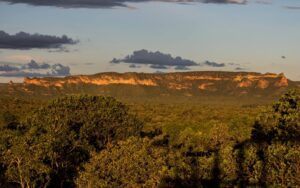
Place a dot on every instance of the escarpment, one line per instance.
(177, 81)
(160, 85)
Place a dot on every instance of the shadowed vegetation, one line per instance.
(93, 141)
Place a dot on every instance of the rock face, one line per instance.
(177, 81)
(160, 86)
(101, 80)
(193, 87)
(282, 82)
(263, 84)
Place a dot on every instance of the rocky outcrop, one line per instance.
(282, 81)
(263, 84)
(205, 86)
(245, 83)
(200, 81)
(102, 80)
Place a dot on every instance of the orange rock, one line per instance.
(263, 84)
(282, 82)
(245, 84)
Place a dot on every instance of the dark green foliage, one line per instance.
(282, 122)
(10, 121)
(57, 138)
(90, 141)
(93, 120)
(273, 157)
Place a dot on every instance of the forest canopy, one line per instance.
(95, 141)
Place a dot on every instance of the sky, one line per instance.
(71, 37)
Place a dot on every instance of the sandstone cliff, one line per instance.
(179, 81)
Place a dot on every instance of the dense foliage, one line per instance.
(92, 141)
(47, 147)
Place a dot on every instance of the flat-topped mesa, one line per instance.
(101, 80)
(180, 81)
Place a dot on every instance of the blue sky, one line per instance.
(252, 36)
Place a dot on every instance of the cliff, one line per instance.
(160, 86)
(178, 81)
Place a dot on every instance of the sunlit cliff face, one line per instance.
(178, 81)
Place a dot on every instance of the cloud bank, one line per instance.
(156, 60)
(160, 61)
(26, 41)
(34, 69)
(107, 3)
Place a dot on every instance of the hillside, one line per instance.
(246, 86)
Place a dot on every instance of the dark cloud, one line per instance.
(60, 70)
(107, 3)
(158, 67)
(8, 68)
(34, 69)
(213, 64)
(25, 41)
(156, 60)
(34, 65)
(59, 50)
(226, 1)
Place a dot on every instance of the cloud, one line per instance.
(213, 64)
(34, 69)
(226, 1)
(239, 69)
(60, 70)
(8, 68)
(292, 7)
(134, 66)
(59, 50)
(107, 3)
(234, 64)
(266, 2)
(26, 41)
(156, 60)
(158, 67)
(34, 65)
(182, 68)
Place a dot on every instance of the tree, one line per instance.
(59, 137)
(131, 163)
(282, 121)
(276, 137)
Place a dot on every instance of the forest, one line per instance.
(91, 141)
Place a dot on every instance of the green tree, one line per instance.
(282, 121)
(276, 137)
(131, 163)
(59, 137)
